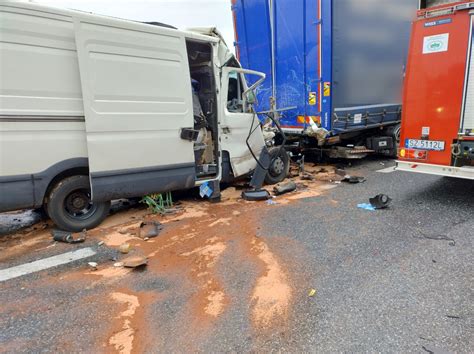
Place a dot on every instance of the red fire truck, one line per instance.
(437, 135)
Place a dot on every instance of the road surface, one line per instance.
(237, 277)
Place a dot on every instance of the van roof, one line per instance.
(71, 13)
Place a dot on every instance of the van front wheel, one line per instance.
(279, 165)
(70, 206)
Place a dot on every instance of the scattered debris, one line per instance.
(454, 317)
(149, 229)
(353, 179)
(434, 350)
(380, 201)
(284, 188)
(256, 195)
(205, 190)
(135, 261)
(312, 293)
(307, 177)
(118, 264)
(271, 202)
(100, 243)
(157, 203)
(452, 242)
(67, 237)
(366, 206)
(125, 248)
(93, 265)
(300, 164)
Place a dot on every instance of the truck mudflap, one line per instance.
(465, 172)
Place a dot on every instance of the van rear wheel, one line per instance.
(70, 206)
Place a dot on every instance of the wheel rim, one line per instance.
(78, 204)
(278, 166)
(398, 135)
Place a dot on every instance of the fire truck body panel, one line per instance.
(438, 103)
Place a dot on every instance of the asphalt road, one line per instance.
(390, 280)
(395, 280)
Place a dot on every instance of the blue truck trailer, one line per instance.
(338, 64)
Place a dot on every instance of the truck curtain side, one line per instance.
(437, 134)
(340, 62)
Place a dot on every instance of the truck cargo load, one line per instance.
(338, 63)
(437, 134)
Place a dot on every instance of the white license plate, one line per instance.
(425, 144)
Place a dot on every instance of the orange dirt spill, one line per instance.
(216, 303)
(272, 294)
(122, 340)
(193, 246)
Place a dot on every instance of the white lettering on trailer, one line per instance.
(46, 263)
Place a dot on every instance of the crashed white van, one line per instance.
(94, 108)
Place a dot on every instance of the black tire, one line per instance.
(70, 207)
(394, 131)
(279, 166)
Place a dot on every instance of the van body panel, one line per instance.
(137, 98)
(29, 190)
(39, 69)
(16, 192)
(25, 139)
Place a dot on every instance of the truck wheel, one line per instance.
(279, 166)
(395, 132)
(70, 206)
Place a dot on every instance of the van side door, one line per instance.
(137, 98)
(241, 134)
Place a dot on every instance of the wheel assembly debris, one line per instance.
(380, 201)
(68, 237)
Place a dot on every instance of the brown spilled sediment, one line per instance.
(122, 340)
(272, 293)
(190, 251)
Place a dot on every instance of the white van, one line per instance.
(94, 108)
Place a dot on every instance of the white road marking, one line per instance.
(387, 170)
(46, 263)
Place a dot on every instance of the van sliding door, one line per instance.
(137, 98)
